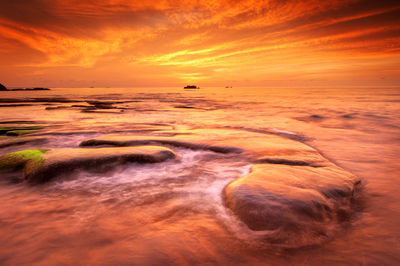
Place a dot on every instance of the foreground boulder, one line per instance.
(293, 205)
(43, 165)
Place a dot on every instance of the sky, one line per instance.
(121, 43)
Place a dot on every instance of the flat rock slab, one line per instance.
(257, 146)
(11, 141)
(53, 163)
(293, 195)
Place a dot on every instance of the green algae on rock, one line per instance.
(30, 160)
(43, 165)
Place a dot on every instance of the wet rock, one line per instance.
(299, 201)
(18, 122)
(30, 160)
(30, 89)
(293, 196)
(257, 146)
(15, 105)
(113, 111)
(38, 100)
(317, 117)
(312, 118)
(8, 141)
(41, 89)
(43, 165)
(284, 161)
(348, 116)
(2, 87)
(17, 131)
(55, 107)
(184, 107)
(101, 105)
(124, 140)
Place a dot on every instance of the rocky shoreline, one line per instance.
(291, 192)
(4, 88)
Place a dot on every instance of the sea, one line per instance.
(172, 213)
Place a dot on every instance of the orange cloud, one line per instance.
(172, 42)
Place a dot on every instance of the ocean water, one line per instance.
(173, 212)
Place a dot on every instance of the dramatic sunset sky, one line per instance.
(118, 43)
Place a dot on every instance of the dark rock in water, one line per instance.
(52, 100)
(15, 105)
(184, 107)
(348, 116)
(18, 122)
(102, 105)
(7, 142)
(284, 161)
(42, 165)
(191, 87)
(30, 89)
(41, 89)
(56, 107)
(312, 118)
(38, 100)
(114, 111)
(80, 106)
(317, 117)
(2, 87)
(27, 129)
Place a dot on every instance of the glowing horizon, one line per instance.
(210, 43)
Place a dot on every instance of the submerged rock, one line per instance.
(43, 165)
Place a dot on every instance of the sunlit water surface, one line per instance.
(172, 212)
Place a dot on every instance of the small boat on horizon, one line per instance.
(191, 87)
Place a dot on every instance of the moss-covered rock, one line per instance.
(30, 160)
(43, 165)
